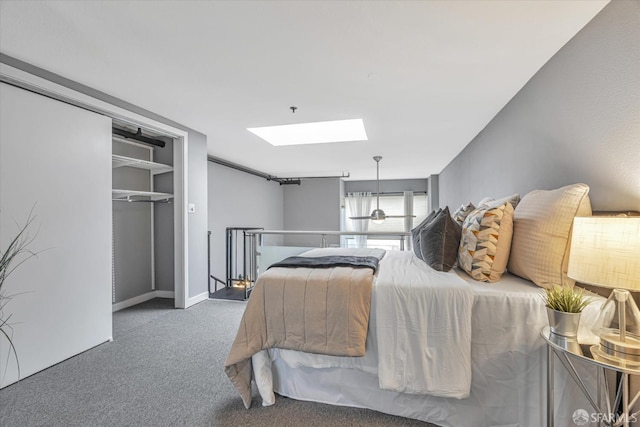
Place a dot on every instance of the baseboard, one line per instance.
(198, 298)
(165, 294)
(140, 299)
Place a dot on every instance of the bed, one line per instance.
(508, 359)
(508, 385)
(440, 347)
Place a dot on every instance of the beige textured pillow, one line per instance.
(542, 233)
(486, 241)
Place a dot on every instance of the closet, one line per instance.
(143, 217)
(60, 163)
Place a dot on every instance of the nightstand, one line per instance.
(567, 351)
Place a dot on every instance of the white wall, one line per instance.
(237, 199)
(197, 221)
(312, 205)
(58, 158)
(576, 120)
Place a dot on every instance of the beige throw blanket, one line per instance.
(322, 310)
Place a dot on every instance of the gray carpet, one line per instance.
(164, 368)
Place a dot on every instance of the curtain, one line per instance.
(408, 221)
(359, 204)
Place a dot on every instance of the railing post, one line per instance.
(324, 241)
(256, 238)
(229, 248)
(245, 261)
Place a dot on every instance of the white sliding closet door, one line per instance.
(58, 158)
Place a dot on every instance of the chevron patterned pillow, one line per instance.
(462, 212)
(486, 241)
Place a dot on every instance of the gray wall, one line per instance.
(237, 199)
(197, 177)
(316, 204)
(433, 192)
(163, 225)
(312, 205)
(131, 228)
(387, 185)
(576, 120)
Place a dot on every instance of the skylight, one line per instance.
(313, 133)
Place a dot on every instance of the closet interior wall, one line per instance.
(164, 226)
(143, 231)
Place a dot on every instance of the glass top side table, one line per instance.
(565, 349)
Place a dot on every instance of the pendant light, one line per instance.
(378, 216)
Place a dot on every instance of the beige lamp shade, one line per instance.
(605, 251)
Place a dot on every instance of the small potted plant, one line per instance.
(564, 306)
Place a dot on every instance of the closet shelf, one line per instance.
(155, 168)
(139, 196)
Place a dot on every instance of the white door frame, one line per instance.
(33, 83)
(180, 224)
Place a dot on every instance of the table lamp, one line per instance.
(605, 252)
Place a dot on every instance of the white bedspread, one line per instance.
(417, 343)
(508, 362)
(423, 328)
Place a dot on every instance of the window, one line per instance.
(394, 205)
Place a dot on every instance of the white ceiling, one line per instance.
(426, 76)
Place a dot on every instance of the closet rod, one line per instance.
(138, 137)
(141, 201)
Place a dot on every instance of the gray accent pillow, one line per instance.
(439, 241)
(415, 232)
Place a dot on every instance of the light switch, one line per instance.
(191, 208)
